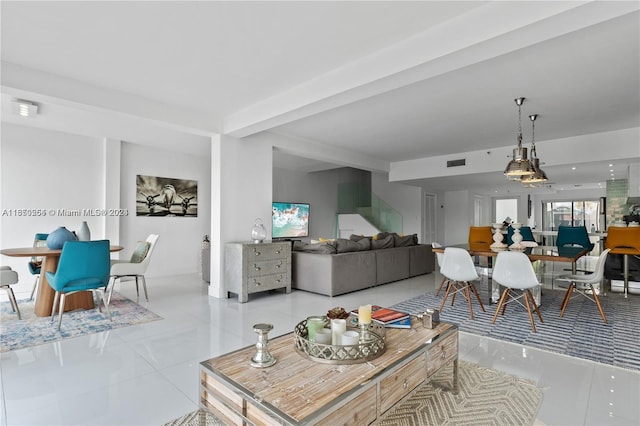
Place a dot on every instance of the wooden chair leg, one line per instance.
(475, 291)
(597, 299)
(526, 301)
(446, 294)
(567, 297)
(467, 293)
(504, 306)
(441, 284)
(502, 300)
(535, 305)
(456, 288)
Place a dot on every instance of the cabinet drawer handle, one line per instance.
(257, 284)
(444, 354)
(256, 267)
(405, 384)
(277, 251)
(256, 252)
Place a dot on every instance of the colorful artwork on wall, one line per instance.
(160, 196)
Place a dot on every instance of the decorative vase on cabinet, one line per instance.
(84, 234)
(57, 238)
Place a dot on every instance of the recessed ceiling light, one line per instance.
(610, 165)
(573, 168)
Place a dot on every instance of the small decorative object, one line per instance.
(516, 237)
(258, 233)
(337, 313)
(430, 318)
(313, 325)
(350, 338)
(57, 238)
(262, 358)
(338, 327)
(497, 236)
(84, 234)
(364, 319)
(323, 336)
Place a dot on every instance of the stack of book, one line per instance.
(389, 317)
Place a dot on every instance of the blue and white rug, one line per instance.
(580, 333)
(33, 330)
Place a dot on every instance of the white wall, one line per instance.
(405, 199)
(458, 216)
(43, 169)
(178, 248)
(47, 171)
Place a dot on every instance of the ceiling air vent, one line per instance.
(456, 163)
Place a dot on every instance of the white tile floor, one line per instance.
(148, 374)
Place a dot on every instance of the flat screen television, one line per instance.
(289, 220)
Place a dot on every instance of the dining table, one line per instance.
(44, 298)
(545, 253)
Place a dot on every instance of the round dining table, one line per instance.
(46, 294)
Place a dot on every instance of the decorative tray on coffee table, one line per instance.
(365, 350)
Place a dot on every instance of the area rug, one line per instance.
(580, 333)
(33, 330)
(485, 397)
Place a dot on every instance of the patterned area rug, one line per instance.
(486, 397)
(33, 330)
(580, 333)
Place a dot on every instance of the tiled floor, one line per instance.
(148, 374)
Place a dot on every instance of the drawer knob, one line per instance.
(257, 284)
(257, 268)
(277, 266)
(405, 384)
(444, 354)
(277, 251)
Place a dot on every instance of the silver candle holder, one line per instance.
(262, 358)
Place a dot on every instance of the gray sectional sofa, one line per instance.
(342, 266)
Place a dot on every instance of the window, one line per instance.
(570, 213)
(506, 208)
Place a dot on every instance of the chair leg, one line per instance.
(500, 303)
(144, 286)
(137, 290)
(113, 284)
(446, 294)
(35, 285)
(567, 297)
(62, 297)
(55, 304)
(14, 303)
(103, 295)
(595, 297)
(475, 291)
(441, 284)
(535, 305)
(467, 293)
(526, 301)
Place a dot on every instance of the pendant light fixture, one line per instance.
(539, 176)
(519, 166)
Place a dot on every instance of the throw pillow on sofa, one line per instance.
(405, 241)
(344, 246)
(382, 243)
(320, 248)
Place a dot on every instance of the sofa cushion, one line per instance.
(321, 248)
(405, 241)
(345, 246)
(382, 243)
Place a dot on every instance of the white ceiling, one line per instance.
(390, 80)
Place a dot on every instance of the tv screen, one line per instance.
(289, 220)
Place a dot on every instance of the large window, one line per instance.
(506, 208)
(570, 213)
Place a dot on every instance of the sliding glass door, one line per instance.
(570, 213)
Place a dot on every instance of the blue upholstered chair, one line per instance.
(35, 264)
(525, 231)
(84, 265)
(573, 236)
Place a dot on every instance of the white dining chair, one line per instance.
(584, 284)
(8, 277)
(440, 258)
(513, 270)
(460, 271)
(136, 267)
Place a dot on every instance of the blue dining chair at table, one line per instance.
(574, 236)
(83, 266)
(35, 264)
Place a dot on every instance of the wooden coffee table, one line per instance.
(297, 391)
